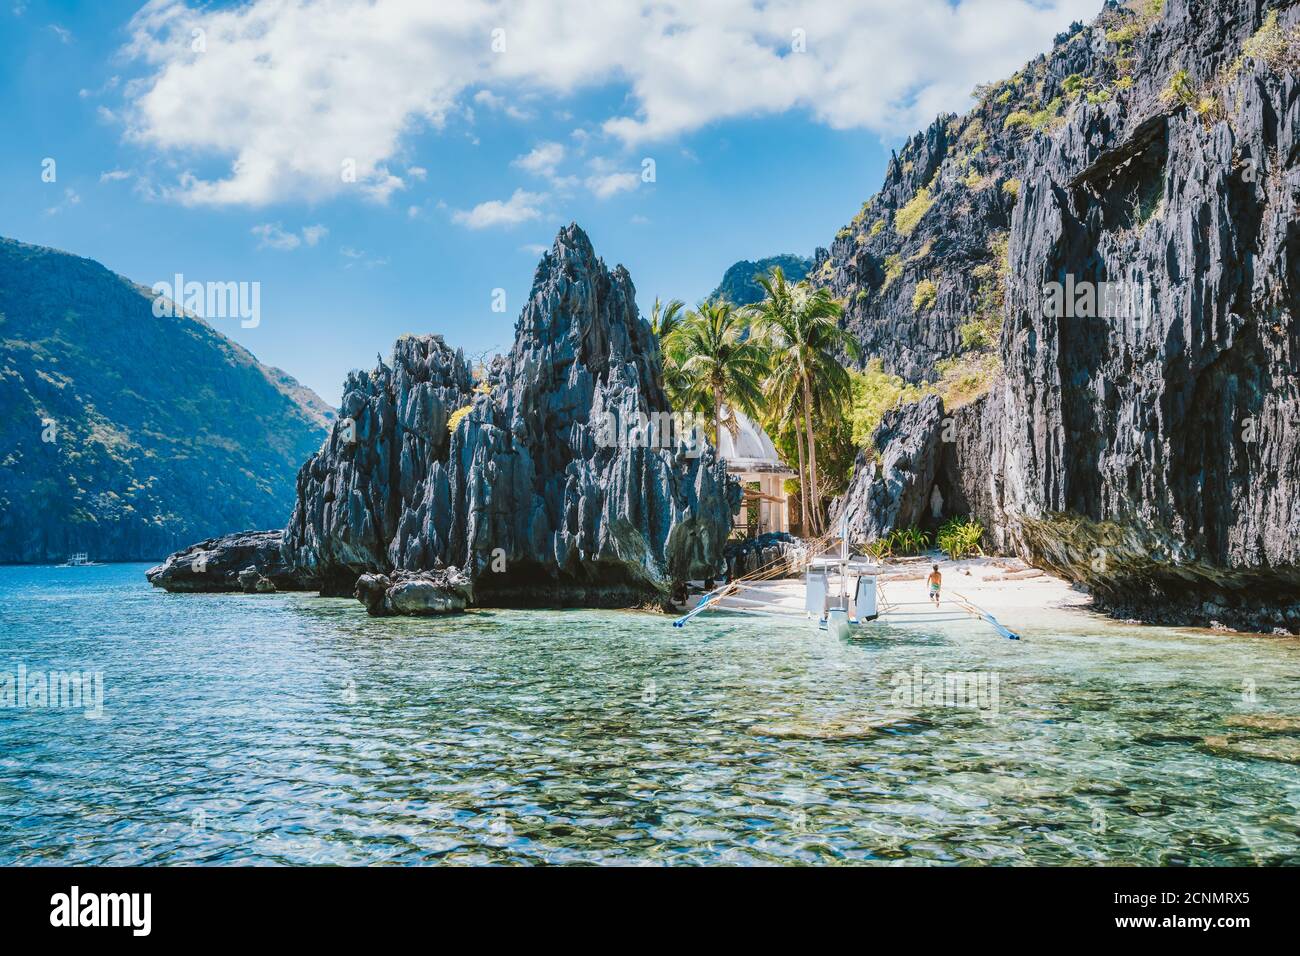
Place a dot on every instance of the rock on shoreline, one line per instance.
(250, 561)
(446, 591)
(533, 498)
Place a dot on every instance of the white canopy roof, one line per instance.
(751, 449)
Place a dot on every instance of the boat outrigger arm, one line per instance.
(841, 592)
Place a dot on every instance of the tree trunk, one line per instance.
(803, 484)
(814, 493)
(717, 416)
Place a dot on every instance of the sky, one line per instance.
(389, 166)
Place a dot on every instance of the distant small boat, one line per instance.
(79, 560)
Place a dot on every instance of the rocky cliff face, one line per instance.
(1147, 448)
(548, 491)
(124, 434)
(387, 453)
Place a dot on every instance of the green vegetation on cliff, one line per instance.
(127, 435)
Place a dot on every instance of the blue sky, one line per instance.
(220, 162)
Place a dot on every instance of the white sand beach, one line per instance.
(1015, 593)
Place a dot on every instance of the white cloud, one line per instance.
(542, 160)
(70, 198)
(287, 91)
(64, 34)
(114, 175)
(272, 235)
(499, 103)
(520, 207)
(314, 234)
(604, 185)
(359, 257)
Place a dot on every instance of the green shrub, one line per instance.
(1279, 49)
(925, 295)
(1179, 90)
(458, 416)
(1125, 34)
(1012, 188)
(874, 392)
(1075, 83)
(893, 269)
(909, 216)
(959, 537)
(964, 378)
(1047, 116)
(976, 334)
(904, 541)
(1015, 119)
(877, 227)
(879, 550)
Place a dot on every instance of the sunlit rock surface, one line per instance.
(1151, 453)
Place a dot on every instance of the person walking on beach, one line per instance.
(935, 580)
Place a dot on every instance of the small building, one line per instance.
(752, 460)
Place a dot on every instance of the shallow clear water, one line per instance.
(294, 729)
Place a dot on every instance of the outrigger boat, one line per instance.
(842, 593)
(79, 560)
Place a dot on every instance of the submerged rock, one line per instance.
(244, 561)
(446, 591)
(1279, 749)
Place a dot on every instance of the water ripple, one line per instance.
(288, 729)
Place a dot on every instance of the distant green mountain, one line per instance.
(738, 286)
(126, 435)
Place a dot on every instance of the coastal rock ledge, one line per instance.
(251, 561)
(531, 499)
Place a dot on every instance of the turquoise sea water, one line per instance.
(294, 729)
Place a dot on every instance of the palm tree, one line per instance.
(664, 321)
(800, 327)
(664, 318)
(717, 362)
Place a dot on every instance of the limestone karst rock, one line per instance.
(566, 482)
(244, 561)
(894, 492)
(1151, 452)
